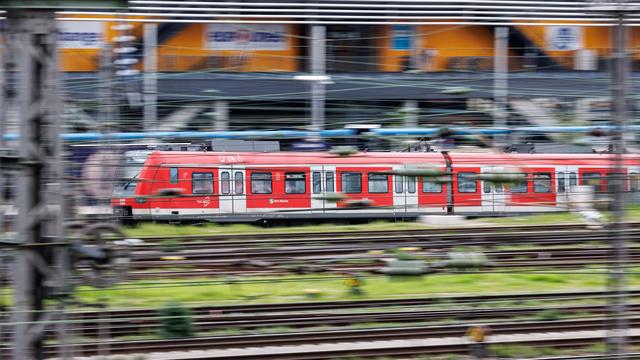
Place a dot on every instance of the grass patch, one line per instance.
(292, 288)
(632, 214)
(539, 219)
(153, 229)
(521, 351)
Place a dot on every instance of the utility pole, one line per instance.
(500, 85)
(617, 337)
(41, 260)
(40, 225)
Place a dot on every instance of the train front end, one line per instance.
(126, 199)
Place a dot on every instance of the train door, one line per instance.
(239, 190)
(494, 197)
(226, 189)
(323, 181)
(317, 189)
(411, 193)
(405, 194)
(399, 191)
(567, 179)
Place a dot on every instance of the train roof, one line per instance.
(364, 158)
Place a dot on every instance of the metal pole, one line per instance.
(617, 336)
(4, 114)
(318, 44)
(150, 76)
(500, 85)
(39, 195)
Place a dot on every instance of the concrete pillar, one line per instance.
(411, 110)
(318, 59)
(221, 117)
(416, 49)
(500, 90)
(150, 76)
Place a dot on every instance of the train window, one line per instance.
(201, 183)
(542, 182)
(173, 175)
(486, 187)
(411, 184)
(561, 182)
(317, 182)
(573, 179)
(351, 182)
(520, 186)
(261, 183)
(430, 186)
(592, 178)
(295, 183)
(239, 182)
(225, 183)
(467, 182)
(614, 179)
(378, 183)
(634, 180)
(397, 184)
(328, 185)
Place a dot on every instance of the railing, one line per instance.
(251, 62)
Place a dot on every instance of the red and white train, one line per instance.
(170, 185)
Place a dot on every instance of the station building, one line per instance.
(391, 74)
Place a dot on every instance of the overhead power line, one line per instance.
(369, 12)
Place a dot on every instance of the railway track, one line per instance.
(442, 238)
(340, 252)
(312, 314)
(120, 323)
(337, 235)
(216, 344)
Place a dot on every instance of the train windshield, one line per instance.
(129, 172)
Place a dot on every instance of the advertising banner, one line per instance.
(80, 34)
(246, 37)
(564, 38)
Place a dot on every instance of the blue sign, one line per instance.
(401, 37)
(564, 38)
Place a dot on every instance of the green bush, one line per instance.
(549, 315)
(176, 321)
(170, 245)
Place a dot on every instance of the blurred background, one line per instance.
(406, 179)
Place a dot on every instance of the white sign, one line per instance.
(80, 34)
(246, 37)
(564, 38)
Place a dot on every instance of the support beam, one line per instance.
(318, 59)
(500, 90)
(150, 86)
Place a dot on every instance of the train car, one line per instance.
(173, 185)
